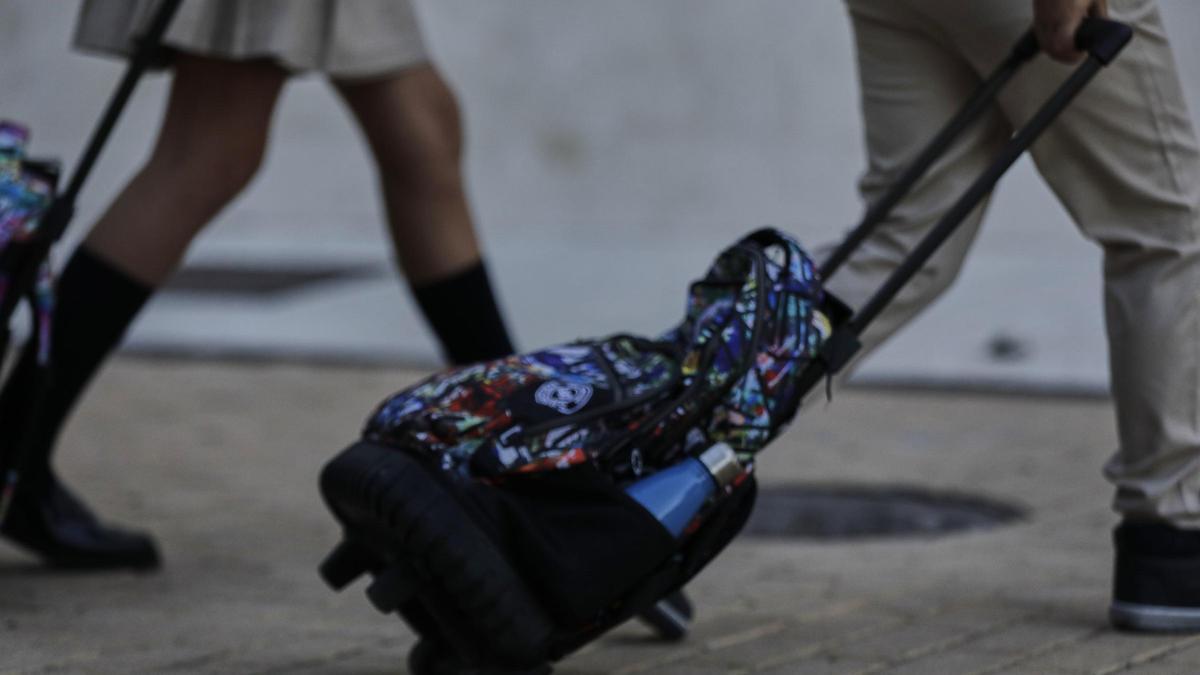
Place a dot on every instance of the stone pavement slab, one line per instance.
(220, 461)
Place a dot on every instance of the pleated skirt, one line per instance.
(342, 38)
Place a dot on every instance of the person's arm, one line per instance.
(1055, 23)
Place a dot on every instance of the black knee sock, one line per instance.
(95, 303)
(462, 311)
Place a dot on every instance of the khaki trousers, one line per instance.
(1124, 162)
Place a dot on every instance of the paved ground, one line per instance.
(221, 460)
(596, 141)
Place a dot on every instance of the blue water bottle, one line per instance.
(675, 494)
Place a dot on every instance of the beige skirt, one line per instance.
(343, 38)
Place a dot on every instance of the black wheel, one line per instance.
(670, 617)
(345, 563)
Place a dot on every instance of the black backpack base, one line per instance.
(444, 556)
(431, 563)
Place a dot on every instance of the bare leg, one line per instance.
(412, 123)
(209, 147)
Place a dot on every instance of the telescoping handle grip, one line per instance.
(1102, 39)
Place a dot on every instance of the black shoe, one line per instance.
(1156, 580)
(57, 527)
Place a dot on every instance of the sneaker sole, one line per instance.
(431, 562)
(1153, 618)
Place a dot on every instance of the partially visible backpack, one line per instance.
(26, 191)
(728, 373)
(490, 501)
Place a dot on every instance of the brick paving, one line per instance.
(220, 460)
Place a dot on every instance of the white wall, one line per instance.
(648, 132)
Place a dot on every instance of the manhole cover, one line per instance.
(860, 511)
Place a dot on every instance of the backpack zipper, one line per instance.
(760, 312)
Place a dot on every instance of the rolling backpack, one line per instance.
(512, 511)
(476, 479)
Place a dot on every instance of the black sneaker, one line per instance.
(1156, 578)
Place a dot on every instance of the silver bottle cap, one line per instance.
(722, 462)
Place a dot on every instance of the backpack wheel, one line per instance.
(670, 617)
(345, 563)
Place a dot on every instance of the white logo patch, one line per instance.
(635, 462)
(565, 397)
(507, 455)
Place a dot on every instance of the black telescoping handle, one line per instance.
(1100, 38)
(146, 49)
(58, 216)
(979, 102)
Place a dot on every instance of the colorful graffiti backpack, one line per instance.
(493, 503)
(26, 190)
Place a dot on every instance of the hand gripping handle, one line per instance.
(1102, 38)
